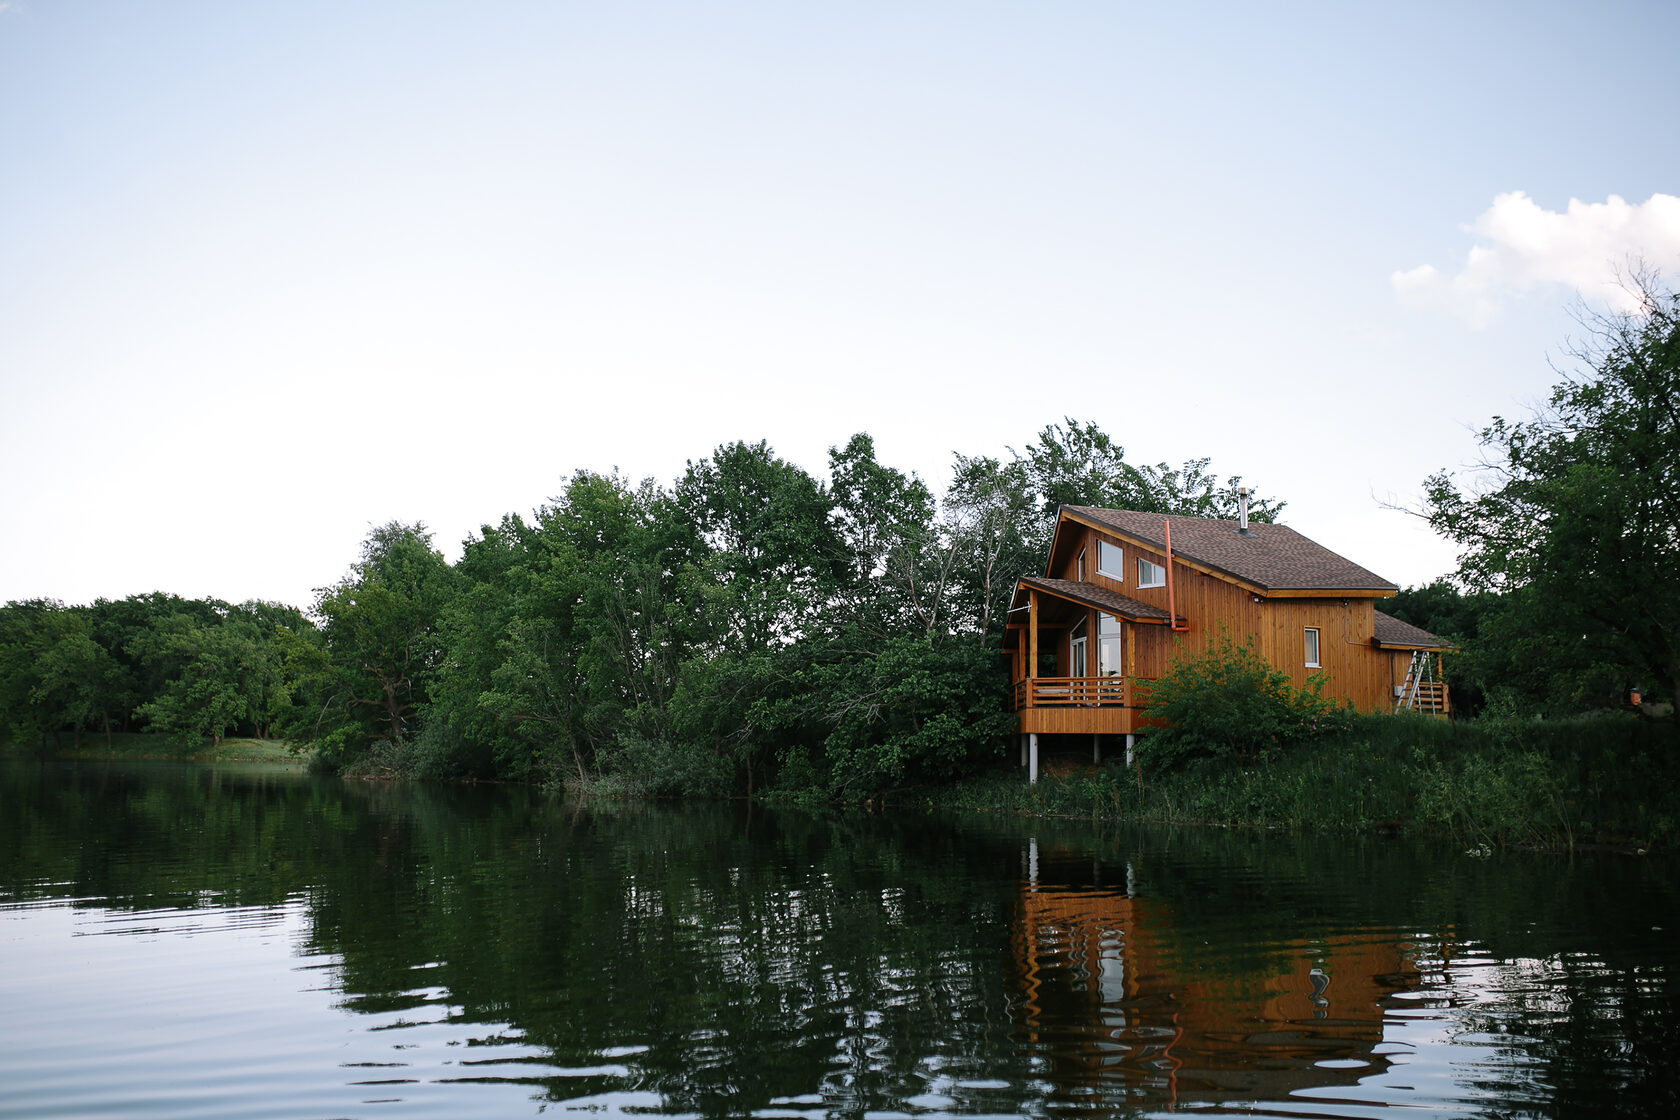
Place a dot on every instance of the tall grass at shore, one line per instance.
(1487, 783)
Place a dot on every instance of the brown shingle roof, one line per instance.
(1390, 631)
(1102, 598)
(1273, 557)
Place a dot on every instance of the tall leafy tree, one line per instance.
(989, 515)
(900, 561)
(1079, 464)
(1576, 513)
(382, 640)
(54, 674)
(774, 560)
(224, 675)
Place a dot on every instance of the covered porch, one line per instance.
(1071, 646)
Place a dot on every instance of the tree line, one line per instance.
(747, 625)
(750, 625)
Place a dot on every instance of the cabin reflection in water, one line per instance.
(1122, 1002)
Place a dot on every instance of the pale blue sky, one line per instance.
(271, 273)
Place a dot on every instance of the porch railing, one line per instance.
(1081, 692)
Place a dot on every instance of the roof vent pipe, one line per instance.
(1242, 510)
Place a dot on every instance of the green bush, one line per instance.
(1228, 703)
(666, 768)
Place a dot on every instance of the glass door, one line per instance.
(1076, 651)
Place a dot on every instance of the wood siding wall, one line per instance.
(1356, 669)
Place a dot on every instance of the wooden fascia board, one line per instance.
(1330, 593)
(1414, 648)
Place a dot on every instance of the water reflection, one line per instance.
(1121, 1006)
(301, 948)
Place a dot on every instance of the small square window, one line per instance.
(1150, 575)
(1312, 647)
(1111, 562)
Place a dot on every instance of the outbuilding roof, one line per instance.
(1274, 558)
(1390, 631)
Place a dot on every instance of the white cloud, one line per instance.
(1521, 246)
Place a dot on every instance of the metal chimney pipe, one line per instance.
(1242, 509)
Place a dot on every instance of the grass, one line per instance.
(1553, 784)
(139, 745)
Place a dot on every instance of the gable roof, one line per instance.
(1390, 631)
(1273, 558)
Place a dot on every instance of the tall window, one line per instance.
(1312, 647)
(1151, 575)
(1111, 562)
(1108, 645)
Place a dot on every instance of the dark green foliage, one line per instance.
(1081, 465)
(1578, 526)
(183, 668)
(382, 648)
(748, 628)
(910, 708)
(1484, 783)
(1227, 702)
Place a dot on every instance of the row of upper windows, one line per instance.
(1111, 562)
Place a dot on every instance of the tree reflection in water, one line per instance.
(722, 960)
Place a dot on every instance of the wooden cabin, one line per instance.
(1125, 592)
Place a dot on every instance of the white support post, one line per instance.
(1131, 741)
(1032, 758)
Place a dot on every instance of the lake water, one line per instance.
(192, 942)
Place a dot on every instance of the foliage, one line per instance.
(1575, 516)
(155, 662)
(773, 554)
(1228, 702)
(747, 628)
(382, 643)
(909, 708)
(1484, 783)
(1081, 465)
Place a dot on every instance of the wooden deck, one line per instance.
(1080, 705)
(1429, 697)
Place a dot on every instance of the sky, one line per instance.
(272, 274)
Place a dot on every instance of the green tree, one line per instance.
(54, 674)
(1081, 465)
(774, 561)
(570, 632)
(1575, 516)
(382, 644)
(911, 707)
(900, 562)
(989, 516)
(225, 672)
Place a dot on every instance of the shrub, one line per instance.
(1227, 702)
(642, 767)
